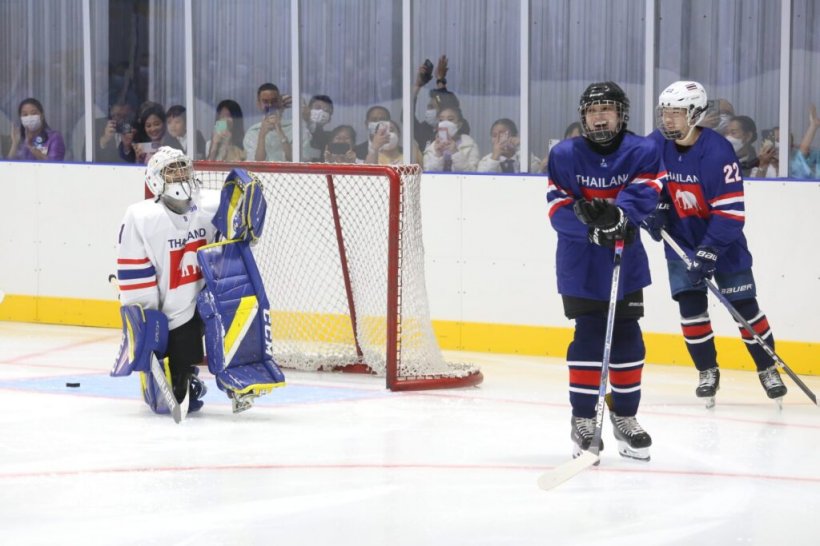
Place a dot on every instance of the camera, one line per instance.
(427, 74)
(123, 127)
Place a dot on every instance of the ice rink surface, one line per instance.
(337, 460)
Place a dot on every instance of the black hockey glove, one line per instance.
(703, 265)
(603, 237)
(597, 213)
(658, 220)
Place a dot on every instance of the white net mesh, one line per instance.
(304, 264)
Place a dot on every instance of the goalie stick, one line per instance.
(178, 410)
(740, 320)
(562, 473)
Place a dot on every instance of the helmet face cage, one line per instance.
(689, 97)
(170, 177)
(604, 93)
(603, 134)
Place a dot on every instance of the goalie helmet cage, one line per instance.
(342, 261)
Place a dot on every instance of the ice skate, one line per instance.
(583, 429)
(775, 389)
(633, 440)
(708, 385)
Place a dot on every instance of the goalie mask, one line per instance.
(604, 110)
(170, 177)
(681, 106)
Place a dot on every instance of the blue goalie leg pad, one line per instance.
(235, 311)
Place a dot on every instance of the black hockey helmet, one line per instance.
(604, 93)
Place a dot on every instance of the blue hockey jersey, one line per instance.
(705, 186)
(632, 177)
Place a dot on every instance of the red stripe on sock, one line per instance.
(697, 330)
(591, 378)
(625, 377)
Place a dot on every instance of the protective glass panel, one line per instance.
(139, 78)
(238, 48)
(733, 49)
(575, 43)
(479, 40)
(804, 146)
(351, 75)
(41, 77)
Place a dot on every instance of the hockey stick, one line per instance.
(740, 320)
(178, 410)
(562, 473)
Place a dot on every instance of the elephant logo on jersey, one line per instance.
(688, 199)
(184, 268)
(188, 265)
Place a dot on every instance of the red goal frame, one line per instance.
(393, 303)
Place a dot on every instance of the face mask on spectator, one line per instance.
(451, 127)
(32, 122)
(319, 116)
(392, 142)
(430, 116)
(723, 123)
(736, 143)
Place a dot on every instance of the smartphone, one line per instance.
(146, 147)
(428, 66)
(338, 148)
(220, 126)
(443, 135)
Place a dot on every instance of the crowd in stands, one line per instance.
(441, 140)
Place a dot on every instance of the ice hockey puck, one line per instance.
(72, 385)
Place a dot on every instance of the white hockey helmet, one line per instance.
(685, 95)
(170, 177)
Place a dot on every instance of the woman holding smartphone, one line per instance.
(229, 130)
(152, 134)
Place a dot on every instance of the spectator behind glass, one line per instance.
(117, 127)
(573, 130)
(374, 115)
(177, 123)
(806, 162)
(271, 138)
(151, 135)
(31, 138)
(424, 131)
(505, 156)
(741, 134)
(768, 160)
(719, 113)
(229, 129)
(384, 146)
(341, 146)
(452, 149)
(317, 114)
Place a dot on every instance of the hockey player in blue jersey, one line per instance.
(601, 186)
(702, 209)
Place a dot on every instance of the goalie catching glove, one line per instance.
(607, 222)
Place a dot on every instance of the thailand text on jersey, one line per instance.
(156, 256)
(632, 177)
(706, 188)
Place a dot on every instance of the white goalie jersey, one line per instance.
(156, 255)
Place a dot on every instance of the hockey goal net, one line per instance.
(342, 260)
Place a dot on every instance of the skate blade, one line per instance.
(709, 401)
(242, 403)
(639, 454)
(779, 402)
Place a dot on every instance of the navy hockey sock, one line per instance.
(750, 311)
(697, 329)
(626, 367)
(584, 357)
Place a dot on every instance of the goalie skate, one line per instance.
(633, 440)
(583, 430)
(241, 401)
(708, 385)
(771, 381)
